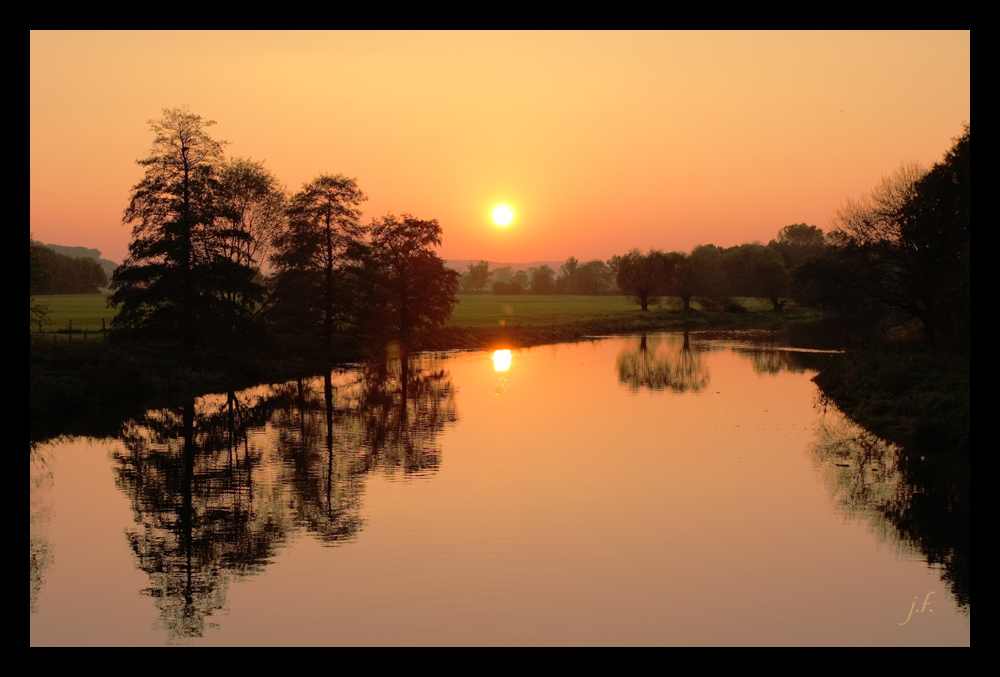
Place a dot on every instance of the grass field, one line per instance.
(488, 310)
(85, 311)
(477, 311)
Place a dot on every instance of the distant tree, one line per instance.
(543, 280)
(312, 289)
(670, 270)
(477, 278)
(505, 274)
(62, 274)
(566, 282)
(685, 279)
(638, 275)
(419, 289)
(798, 242)
(705, 276)
(506, 288)
(37, 278)
(177, 281)
(592, 278)
(521, 279)
(755, 270)
(772, 281)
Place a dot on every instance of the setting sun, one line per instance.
(503, 215)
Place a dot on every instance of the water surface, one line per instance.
(658, 490)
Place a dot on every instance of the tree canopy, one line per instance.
(55, 273)
(417, 288)
(639, 275)
(311, 255)
(180, 282)
(906, 248)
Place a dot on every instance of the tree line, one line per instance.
(896, 262)
(708, 272)
(54, 273)
(224, 263)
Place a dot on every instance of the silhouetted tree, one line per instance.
(543, 280)
(178, 280)
(61, 274)
(311, 288)
(37, 277)
(255, 206)
(593, 277)
(704, 274)
(757, 271)
(821, 279)
(935, 226)
(418, 289)
(566, 282)
(683, 281)
(907, 244)
(638, 275)
(798, 242)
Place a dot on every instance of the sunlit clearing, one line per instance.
(501, 360)
(503, 215)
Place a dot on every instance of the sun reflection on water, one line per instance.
(501, 360)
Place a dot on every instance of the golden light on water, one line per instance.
(501, 360)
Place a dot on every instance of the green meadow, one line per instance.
(474, 311)
(85, 312)
(489, 310)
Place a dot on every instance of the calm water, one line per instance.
(666, 490)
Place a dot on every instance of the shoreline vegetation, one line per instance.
(906, 393)
(231, 281)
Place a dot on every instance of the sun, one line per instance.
(503, 215)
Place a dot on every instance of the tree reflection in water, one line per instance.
(218, 485)
(40, 480)
(918, 505)
(661, 362)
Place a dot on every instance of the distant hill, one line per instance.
(462, 265)
(82, 253)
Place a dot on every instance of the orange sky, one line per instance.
(599, 141)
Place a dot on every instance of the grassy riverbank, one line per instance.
(907, 393)
(78, 381)
(487, 320)
(904, 393)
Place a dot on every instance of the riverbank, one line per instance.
(907, 393)
(904, 393)
(86, 387)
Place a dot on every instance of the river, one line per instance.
(664, 490)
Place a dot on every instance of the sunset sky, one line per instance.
(598, 141)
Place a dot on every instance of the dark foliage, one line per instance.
(55, 273)
(179, 287)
